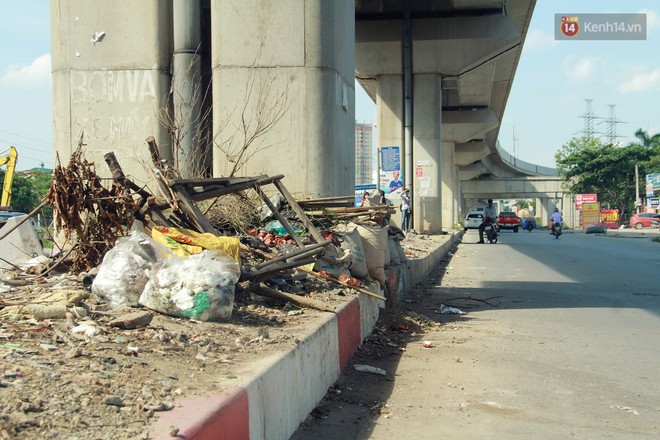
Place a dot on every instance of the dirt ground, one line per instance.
(358, 400)
(111, 382)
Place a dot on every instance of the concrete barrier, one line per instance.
(20, 245)
(271, 399)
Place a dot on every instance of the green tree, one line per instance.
(652, 146)
(646, 141)
(24, 198)
(27, 193)
(589, 166)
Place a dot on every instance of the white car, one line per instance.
(473, 220)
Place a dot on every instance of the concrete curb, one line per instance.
(279, 393)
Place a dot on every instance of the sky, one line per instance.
(545, 105)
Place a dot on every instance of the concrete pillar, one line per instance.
(546, 208)
(449, 177)
(389, 121)
(289, 68)
(112, 87)
(568, 211)
(432, 165)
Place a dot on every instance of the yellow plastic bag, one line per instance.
(185, 242)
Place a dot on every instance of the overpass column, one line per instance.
(389, 114)
(545, 209)
(289, 68)
(433, 164)
(389, 121)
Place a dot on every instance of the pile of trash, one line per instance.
(174, 260)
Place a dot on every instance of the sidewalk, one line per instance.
(269, 401)
(628, 232)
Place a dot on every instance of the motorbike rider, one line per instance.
(489, 217)
(555, 220)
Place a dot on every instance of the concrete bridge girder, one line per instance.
(467, 125)
(449, 46)
(460, 44)
(512, 188)
(472, 171)
(470, 152)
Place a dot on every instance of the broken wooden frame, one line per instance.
(182, 194)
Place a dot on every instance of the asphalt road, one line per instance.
(567, 346)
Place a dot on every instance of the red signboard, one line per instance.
(585, 198)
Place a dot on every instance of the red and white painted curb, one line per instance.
(284, 389)
(277, 395)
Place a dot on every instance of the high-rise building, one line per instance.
(363, 154)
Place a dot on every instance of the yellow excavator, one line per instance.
(9, 160)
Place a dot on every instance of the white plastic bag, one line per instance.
(124, 271)
(200, 286)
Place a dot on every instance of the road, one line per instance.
(565, 346)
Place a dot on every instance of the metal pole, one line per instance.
(186, 86)
(636, 188)
(408, 104)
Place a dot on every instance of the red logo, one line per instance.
(569, 26)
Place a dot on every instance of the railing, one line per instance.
(521, 165)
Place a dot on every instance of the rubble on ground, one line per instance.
(86, 353)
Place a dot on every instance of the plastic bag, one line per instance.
(124, 271)
(200, 286)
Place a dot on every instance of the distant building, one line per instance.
(363, 154)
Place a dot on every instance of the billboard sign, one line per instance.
(590, 214)
(652, 183)
(585, 198)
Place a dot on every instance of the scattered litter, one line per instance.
(626, 409)
(447, 310)
(88, 328)
(370, 369)
(97, 37)
(427, 344)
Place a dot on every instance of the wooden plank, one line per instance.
(253, 183)
(308, 251)
(281, 218)
(299, 211)
(269, 271)
(222, 181)
(327, 199)
(311, 272)
(193, 212)
(264, 290)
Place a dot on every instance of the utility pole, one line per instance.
(636, 188)
(515, 139)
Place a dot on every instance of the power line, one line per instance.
(25, 137)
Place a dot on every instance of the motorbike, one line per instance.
(556, 229)
(490, 230)
(528, 224)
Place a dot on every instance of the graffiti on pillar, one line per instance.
(113, 105)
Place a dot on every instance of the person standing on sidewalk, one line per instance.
(406, 210)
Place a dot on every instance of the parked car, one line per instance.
(472, 220)
(509, 220)
(639, 221)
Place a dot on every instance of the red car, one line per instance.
(509, 220)
(639, 221)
